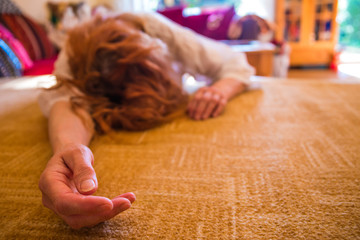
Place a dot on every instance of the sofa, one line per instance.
(25, 48)
(24, 45)
(211, 22)
(218, 23)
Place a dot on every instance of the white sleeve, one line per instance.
(198, 54)
(47, 98)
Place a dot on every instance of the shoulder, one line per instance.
(152, 17)
(157, 25)
(61, 67)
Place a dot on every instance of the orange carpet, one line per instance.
(281, 163)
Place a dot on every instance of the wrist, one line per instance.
(229, 87)
(65, 145)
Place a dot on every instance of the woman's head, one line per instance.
(125, 75)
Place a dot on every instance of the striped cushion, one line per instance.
(10, 65)
(7, 6)
(4, 32)
(30, 34)
(10, 53)
(17, 48)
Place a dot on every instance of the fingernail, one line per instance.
(126, 205)
(87, 185)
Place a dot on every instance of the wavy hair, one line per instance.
(126, 77)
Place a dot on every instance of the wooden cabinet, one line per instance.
(310, 28)
(260, 55)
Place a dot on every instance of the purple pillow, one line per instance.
(218, 24)
(197, 23)
(175, 14)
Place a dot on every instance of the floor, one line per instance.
(17, 92)
(347, 69)
(325, 74)
(280, 162)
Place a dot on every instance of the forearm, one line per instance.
(66, 127)
(69, 180)
(229, 87)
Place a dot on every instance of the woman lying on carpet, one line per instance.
(124, 72)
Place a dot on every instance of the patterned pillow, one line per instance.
(17, 48)
(218, 24)
(175, 14)
(7, 6)
(30, 34)
(10, 65)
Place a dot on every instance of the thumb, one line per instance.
(80, 160)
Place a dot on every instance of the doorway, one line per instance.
(349, 37)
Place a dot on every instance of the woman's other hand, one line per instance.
(207, 102)
(211, 101)
(67, 185)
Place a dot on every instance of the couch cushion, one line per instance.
(41, 67)
(218, 24)
(175, 14)
(196, 22)
(10, 53)
(17, 47)
(30, 34)
(10, 65)
(7, 6)
(212, 23)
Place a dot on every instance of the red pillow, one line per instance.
(41, 67)
(30, 34)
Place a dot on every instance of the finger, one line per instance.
(203, 104)
(74, 204)
(191, 106)
(219, 108)
(71, 205)
(194, 102)
(215, 98)
(70, 208)
(80, 161)
(47, 203)
(130, 196)
(120, 204)
(59, 191)
(79, 221)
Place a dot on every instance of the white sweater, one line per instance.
(196, 54)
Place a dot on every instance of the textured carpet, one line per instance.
(281, 163)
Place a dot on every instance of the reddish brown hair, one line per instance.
(125, 75)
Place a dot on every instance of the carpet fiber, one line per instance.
(281, 163)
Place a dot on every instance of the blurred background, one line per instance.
(282, 38)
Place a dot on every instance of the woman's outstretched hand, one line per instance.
(67, 185)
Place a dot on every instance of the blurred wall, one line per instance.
(262, 8)
(37, 8)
